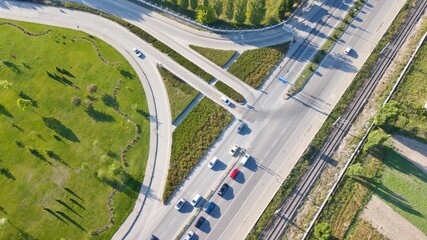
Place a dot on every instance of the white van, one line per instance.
(196, 200)
(212, 163)
(245, 159)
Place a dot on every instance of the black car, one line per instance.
(199, 222)
(152, 237)
(223, 189)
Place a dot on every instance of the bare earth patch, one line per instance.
(411, 149)
(389, 223)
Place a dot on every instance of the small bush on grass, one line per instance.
(227, 90)
(192, 138)
(253, 66)
(219, 57)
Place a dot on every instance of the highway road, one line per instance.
(278, 130)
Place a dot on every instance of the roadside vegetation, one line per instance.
(137, 31)
(217, 56)
(317, 142)
(191, 139)
(254, 66)
(240, 14)
(180, 93)
(228, 91)
(64, 94)
(326, 47)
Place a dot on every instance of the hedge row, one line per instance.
(217, 56)
(227, 90)
(192, 138)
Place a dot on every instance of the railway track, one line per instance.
(289, 207)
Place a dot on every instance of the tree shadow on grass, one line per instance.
(5, 172)
(127, 74)
(99, 116)
(395, 161)
(73, 193)
(71, 220)
(55, 215)
(5, 112)
(56, 158)
(59, 128)
(146, 115)
(77, 203)
(12, 66)
(38, 155)
(388, 195)
(60, 79)
(110, 101)
(65, 72)
(17, 127)
(68, 207)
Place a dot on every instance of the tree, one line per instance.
(230, 9)
(115, 169)
(322, 231)
(375, 138)
(76, 100)
(388, 114)
(218, 7)
(3, 221)
(282, 10)
(5, 84)
(91, 88)
(240, 14)
(256, 11)
(174, 1)
(205, 14)
(193, 4)
(24, 104)
(183, 4)
(205, 3)
(355, 170)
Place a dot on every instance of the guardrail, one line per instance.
(356, 151)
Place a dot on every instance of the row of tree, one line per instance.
(240, 11)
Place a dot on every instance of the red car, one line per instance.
(234, 173)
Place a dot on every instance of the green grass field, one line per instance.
(61, 165)
(180, 93)
(217, 56)
(253, 66)
(403, 188)
(192, 138)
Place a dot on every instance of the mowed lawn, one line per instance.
(60, 162)
(404, 188)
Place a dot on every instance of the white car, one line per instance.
(225, 100)
(234, 150)
(347, 50)
(189, 236)
(180, 204)
(212, 163)
(245, 159)
(137, 52)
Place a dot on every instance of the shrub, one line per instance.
(217, 56)
(89, 104)
(76, 100)
(91, 88)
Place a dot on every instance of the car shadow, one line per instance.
(186, 208)
(245, 131)
(219, 166)
(353, 54)
(251, 165)
(206, 227)
(142, 56)
(240, 178)
(216, 212)
(229, 194)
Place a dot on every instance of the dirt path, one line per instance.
(411, 149)
(389, 223)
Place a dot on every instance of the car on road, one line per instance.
(196, 200)
(245, 159)
(234, 173)
(212, 163)
(223, 189)
(347, 50)
(241, 126)
(189, 235)
(210, 207)
(180, 204)
(225, 100)
(137, 52)
(200, 222)
(234, 150)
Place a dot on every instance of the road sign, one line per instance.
(283, 80)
